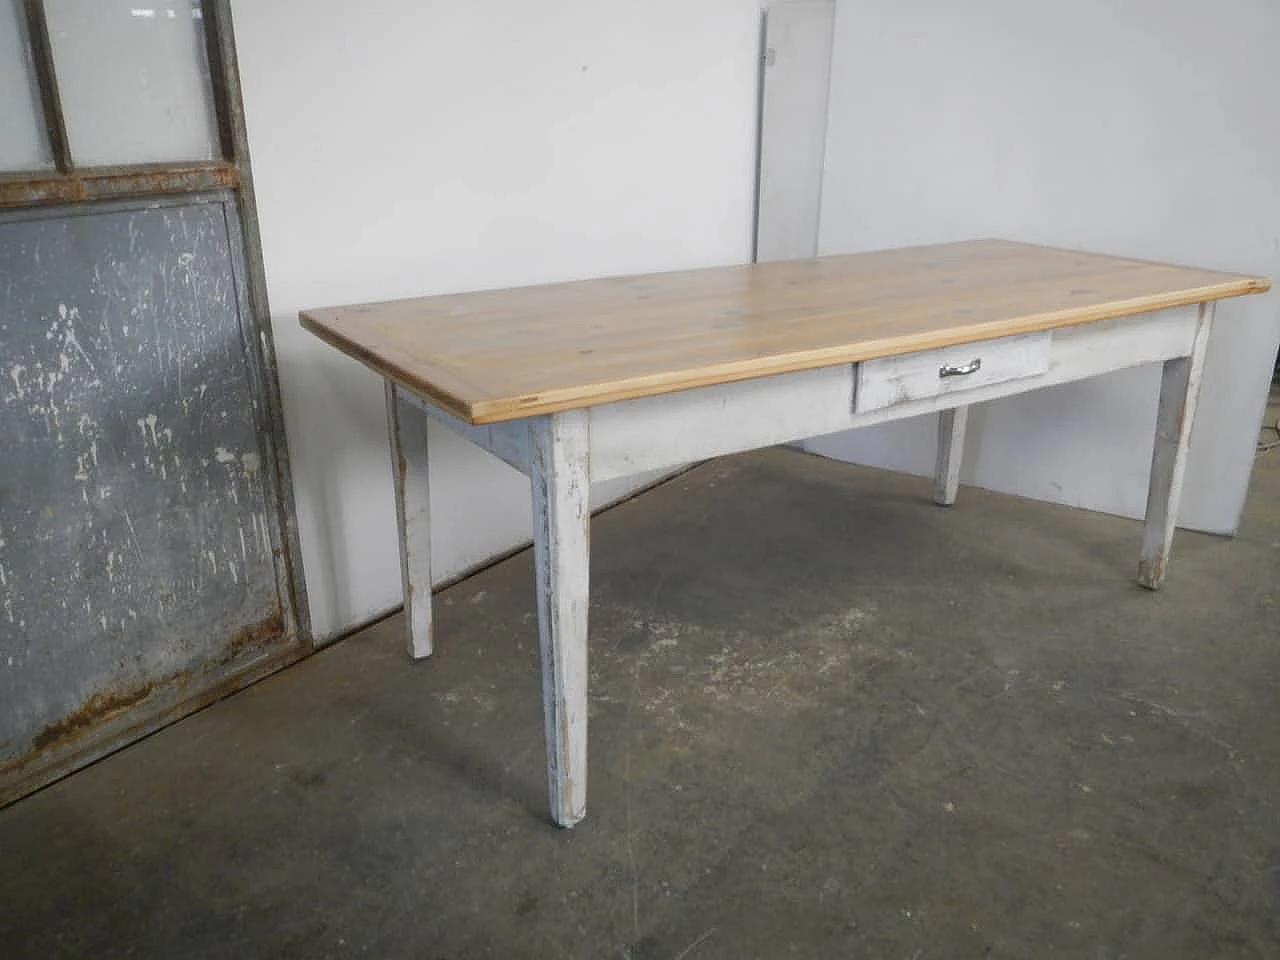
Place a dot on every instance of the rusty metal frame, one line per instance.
(48, 187)
(223, 84)
(103, 727)
(67, 183)
(47, 83)
(224, 69)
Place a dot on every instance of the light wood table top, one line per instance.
(505, 354)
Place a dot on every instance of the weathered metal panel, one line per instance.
(139, 541)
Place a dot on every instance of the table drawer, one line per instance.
(933, 373)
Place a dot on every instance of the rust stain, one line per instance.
(95, 711)
(109, 705)
(253, 637)
(69, 743)
(45, 766)
(146, 179)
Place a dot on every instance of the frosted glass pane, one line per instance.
(22, 141)
(134, 80)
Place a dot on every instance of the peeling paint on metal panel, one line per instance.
(132, 478)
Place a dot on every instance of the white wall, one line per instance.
(1147, 128)
(403, 148)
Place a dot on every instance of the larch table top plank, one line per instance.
(501, 355)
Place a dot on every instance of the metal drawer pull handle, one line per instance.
(960, 370)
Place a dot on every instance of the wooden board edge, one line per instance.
(388, 368)
(1256, 284)
(498, 410)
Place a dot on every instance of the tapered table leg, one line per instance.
(946, 475)
(408, 428)
(1179, 389)
(561, 518)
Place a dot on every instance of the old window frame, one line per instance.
(67, 183)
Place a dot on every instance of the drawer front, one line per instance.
(933, 373)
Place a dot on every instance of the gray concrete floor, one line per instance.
(828, 720)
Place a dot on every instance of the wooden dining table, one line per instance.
(572, 383)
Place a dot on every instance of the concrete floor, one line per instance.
(828, 720)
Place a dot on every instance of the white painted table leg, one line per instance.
(946, 476)
(1179, 389)
(561, 517)
(408, 428)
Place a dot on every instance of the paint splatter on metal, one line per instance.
(135, 533)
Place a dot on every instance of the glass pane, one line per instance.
(23, 145)
(134, 80)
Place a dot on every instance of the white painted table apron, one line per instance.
(563, 453)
